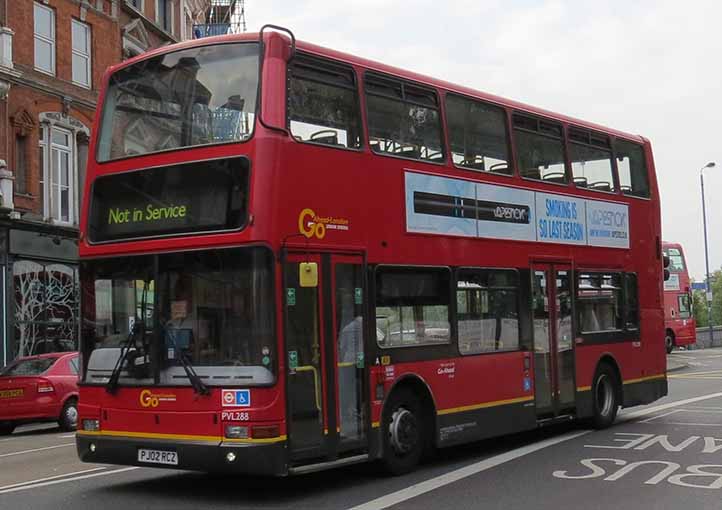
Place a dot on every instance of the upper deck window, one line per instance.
(403, 119)
(186, 98)
(591, 158)
(676, 260)
(632, 169)
(323, 103)
(477, 135)
(539, 149)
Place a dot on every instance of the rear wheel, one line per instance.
(68, 420)
(6, 428)
(403, 432)
(605, 394)
(669, 341)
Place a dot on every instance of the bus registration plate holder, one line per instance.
(157, 457)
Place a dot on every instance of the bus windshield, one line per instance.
(186, 98)
(210, 309)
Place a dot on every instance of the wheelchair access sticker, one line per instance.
(236, 398)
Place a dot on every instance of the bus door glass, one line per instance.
(324, 355)
(553, 339)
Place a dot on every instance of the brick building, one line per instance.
(52, 56)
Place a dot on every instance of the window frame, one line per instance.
(47, 182)
(87, 57)
(589, 144)
(625, 333)
(49, 40)
(507, 131)
(431, 348)
(645, 163)
(354, 86)
(517, 290)
(562, 139)
(168, 17)
(403, 82)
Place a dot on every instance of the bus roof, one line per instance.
(387, 69)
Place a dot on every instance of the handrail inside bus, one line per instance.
(260, 73)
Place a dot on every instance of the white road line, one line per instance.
(67, 436)
(65, 480)
(694, 424)
(5, 487)
(420, 488)
(673, 411)
(454, 476)
(36, 450)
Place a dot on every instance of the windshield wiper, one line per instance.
(138, 328)
(198, 385)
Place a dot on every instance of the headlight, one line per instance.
(91, 425)
(236, 432)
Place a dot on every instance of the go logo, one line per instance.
(308, 227)
(147, 399)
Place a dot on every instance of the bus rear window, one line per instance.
(197, 96)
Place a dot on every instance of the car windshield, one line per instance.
(35, 366)
(197, 96)
(212, 309)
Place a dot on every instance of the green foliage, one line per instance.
(699, 303)
(699, 308)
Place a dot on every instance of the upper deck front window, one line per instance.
(186, 98)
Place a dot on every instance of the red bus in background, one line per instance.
(680, 327)
(293, 258)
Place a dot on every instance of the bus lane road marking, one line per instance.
(35, 484)
(36, 450)
(418, 489)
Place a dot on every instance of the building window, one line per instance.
(58, 164)
(81, 54)
(21, 164)
(138, 4)
(41, 165)
(44, 35)
(164, 15)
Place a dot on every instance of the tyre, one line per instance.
(403, 432)
(669, 342)
(6, 428)
(606, 397)
(68, 419)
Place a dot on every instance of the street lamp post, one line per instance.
(711, 164)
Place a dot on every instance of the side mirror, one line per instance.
(308, 274)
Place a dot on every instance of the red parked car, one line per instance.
(40, 388)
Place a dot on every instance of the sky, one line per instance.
(645, 67)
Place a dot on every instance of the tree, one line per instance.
(699, 308)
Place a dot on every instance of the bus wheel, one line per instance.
(669, 341)
(403, 431)
(68, 420)
(604, 392)
(6, 428)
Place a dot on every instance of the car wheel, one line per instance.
(605, 395)
(68, 420)
(403, 432)
(669, 342)
(6, 428)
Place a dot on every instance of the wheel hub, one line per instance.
(403, 431)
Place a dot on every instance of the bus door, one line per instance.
(553, 339)
(324, 331)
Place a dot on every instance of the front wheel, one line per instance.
(6, 428)
(68, 420)
(669, 342)
(403, 432)
(606, 401)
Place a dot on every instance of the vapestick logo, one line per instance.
(512, 213)
(312, 225)
(150, 399)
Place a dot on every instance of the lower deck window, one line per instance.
(487, 310)
(599, 299)
(412, 306)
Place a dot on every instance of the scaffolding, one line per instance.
(222, 17)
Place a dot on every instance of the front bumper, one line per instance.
(251, 459)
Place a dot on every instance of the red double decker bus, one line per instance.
(680, 327)
(294, 258)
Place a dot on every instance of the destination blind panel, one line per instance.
(190, 198)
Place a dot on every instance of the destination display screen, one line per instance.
(197, 197)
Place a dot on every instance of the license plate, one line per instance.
(11, 393)
(157, 457)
